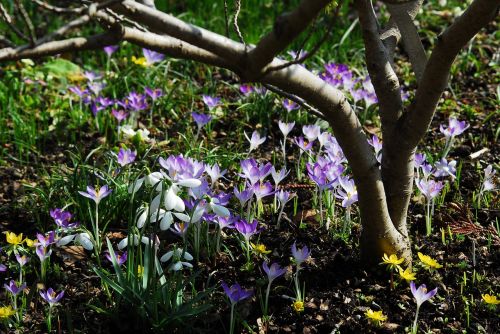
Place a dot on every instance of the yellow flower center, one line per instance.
(298, 306)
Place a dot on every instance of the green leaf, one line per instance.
(61, 68)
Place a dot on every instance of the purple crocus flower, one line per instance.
(443, 168)
(96, 194)
(429, 188)
(300, 254)
(201, 119)
(285, 127)
(13, 288)
(262, 189)
(245, 228)
(126, 157)
(51, 297)
(348, 193)
(22, 259)
(78, 91)
(236, 293)
(246, 89)
(135, 101)
(152, 57)
(225, 222)
(96, 87)
(254, 172)
(211, 101)
(455, 128)
(290, 105)
(180, 229)
(421, 294)
(120, 258)
(61, 217)
(488, 181)
(120, 115)
(91, 76)
(110, 49)
(214, 172)
(154, 94)
(255, 141)
(278, 176)
(318, 175)
(244, 195)
(43, 253)
(46, 240)
(297, 55)
(311, 132)
(419, 159)
(274, 271)
(3, 268)
(303, 144)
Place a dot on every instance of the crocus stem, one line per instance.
(284, 151)
(321, 209)
(247, 241)
(414, 328)
(428, 218)
(49, 320)
(266, 301)
(96, 231)
(297, 285)
(231, 323)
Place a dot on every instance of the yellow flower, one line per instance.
(260, 249)
(407, 274)
(428, 261)
(490, 299)
(14, 239)
(392, 261)
(375, 316)
(6, 311)
(140, 270)
(298, 306)
(140, 61)
(30, 242)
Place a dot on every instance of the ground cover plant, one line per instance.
(144, 193)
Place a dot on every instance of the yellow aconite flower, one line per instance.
(6, 311)
(392, 261)
(490, 299)
(30, 242)
(260, 248)
(298, 306)
(140, 61)
(428, 261)
(375, 316)
(14, 239)
(407, 274)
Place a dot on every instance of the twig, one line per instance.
(295, 99)
(64, 29)
(59, 10)
(5, 41)
(6, 17)
(226, 18)
(27, 20)
(235, 21)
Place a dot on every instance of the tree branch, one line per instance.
(57, 47)
(411, 40)
(161, 22)
(286, 28)
(413, 125)
(383, 77)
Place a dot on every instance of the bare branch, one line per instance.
(414, 124)
(297, 100)
(164, 23)
(27, 21)
(286, 28)
(78, 22)
(10, 23)
(235, 21)
(58, 10)
(226, 18)
(382, 74)
(57, 47)
(411, 40)
(4, 41)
